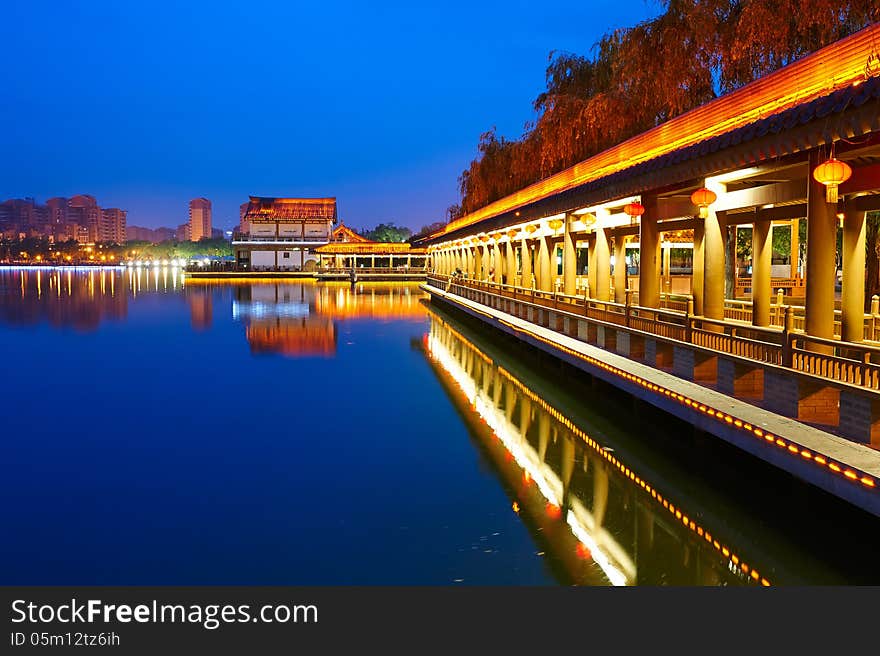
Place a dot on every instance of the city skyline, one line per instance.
(395, 112)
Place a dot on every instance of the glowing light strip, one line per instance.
(597, 449)
(835, 66)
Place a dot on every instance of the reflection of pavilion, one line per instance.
(385, 301)
(280, 319)
(600, 521)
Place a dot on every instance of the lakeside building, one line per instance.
(283, 234)
(199, 219)
(349, 250)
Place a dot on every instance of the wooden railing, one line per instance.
(358, 270)
(848, 362)
(792, 284)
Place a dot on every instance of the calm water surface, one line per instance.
(158, 431)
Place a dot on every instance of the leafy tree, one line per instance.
(388, 232)
(641, 76)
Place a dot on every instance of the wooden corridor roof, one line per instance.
(812, 102)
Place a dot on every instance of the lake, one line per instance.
(159, 430)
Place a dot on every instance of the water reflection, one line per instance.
(601, 522)
(297, 319)
(81, 300)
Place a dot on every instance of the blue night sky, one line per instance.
(146, 105)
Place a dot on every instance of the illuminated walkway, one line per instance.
(582, 264)
(846, 469)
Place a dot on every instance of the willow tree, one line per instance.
(641, 76)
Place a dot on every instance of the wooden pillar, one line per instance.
(698, 269)
(478, 262)
(762, 247)
(592, 267)
(852, 297)
(821, 240)
(487, 261)
(649, 257)
(603, 266)
(499, 264)
(795, 246)
(667, 265)
(511, 262)
(526, 258)
(713, 262)
(569, 259)
(620, 269)
(545, 279)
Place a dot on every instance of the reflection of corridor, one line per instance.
(602, 523)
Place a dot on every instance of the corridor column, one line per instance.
(545, 280)
(821, 238)
(649, 256)
(795, 246)
(619, 269)
(698, 268)
(511, 259)
(713, 261)
(569, 259)
(499, 262)
(603, 266)
(852, 297)
(762, 247)
(526, 259)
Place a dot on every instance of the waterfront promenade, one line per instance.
(786, 368)
(841, 467)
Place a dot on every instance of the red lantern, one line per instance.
(634, 210)
(702, 198)
(832, 173)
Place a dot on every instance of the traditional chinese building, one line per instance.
(283, 234)
(349, 250)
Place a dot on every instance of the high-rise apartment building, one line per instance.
(84, 211)
(62, 219)
(112, 227)
(199, 219)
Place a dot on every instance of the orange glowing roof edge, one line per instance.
(835, 66)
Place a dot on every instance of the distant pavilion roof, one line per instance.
(369, 248)
(345, 241)
(345, 234)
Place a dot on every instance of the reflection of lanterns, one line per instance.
(634, 210)
(831, 173)
(702, 198)
(555, 224)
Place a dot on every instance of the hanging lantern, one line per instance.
(634, 210)
(831, 173)
(511, 234)
(588, 219)
(702, 198)
(531, 229)
(555, 224)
